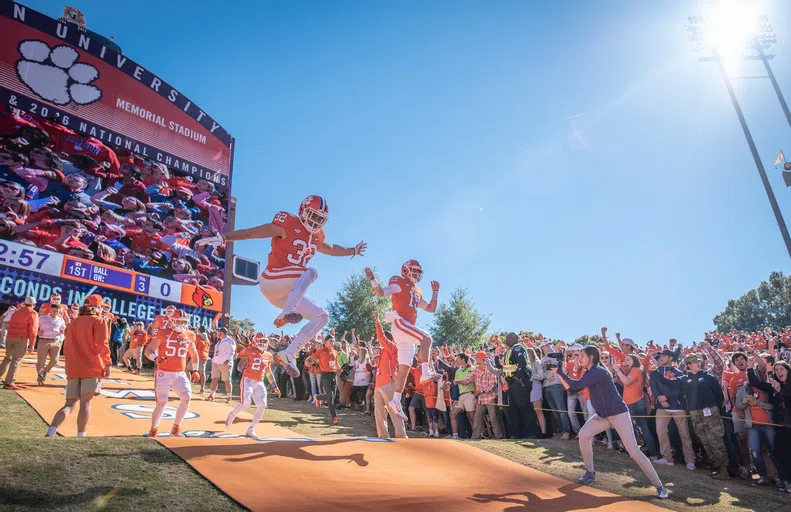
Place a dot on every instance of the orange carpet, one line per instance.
(284, 471)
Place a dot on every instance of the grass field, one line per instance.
(139, 474)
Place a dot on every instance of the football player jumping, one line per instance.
(407, 298)
(284, 282)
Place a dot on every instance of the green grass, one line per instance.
(99, 473)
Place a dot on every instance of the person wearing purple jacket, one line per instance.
(611, 412)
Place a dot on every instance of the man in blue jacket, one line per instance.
(669, 403)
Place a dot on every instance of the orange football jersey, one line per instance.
(173, 352)
(257, 363)
(406, 302)
(162, 327)
(298, 246)
(138, 338)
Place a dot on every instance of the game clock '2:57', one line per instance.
(29, 258)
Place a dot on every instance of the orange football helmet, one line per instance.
(412, 271)
(260, 341)
(313, 212)
(170, 311)
(54, 299)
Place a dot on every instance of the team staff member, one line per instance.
(385, 376)
(87, 353)
(55, 302)
(202, 344)
(138, 339)
(22, 331)
(51, 328)
(222, 364)
(521, 415)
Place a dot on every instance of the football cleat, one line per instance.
(229, 420)
(395, 408)
(287, 318)
(431, 376)
(210, 398)
(176, 431)
(227, 399)
(288, 363)
(152, 433)
(412, 271)
(314, 212)
(251, 433)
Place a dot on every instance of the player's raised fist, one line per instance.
(435, 286)
(369, 274)
(604, 331)
(359, 249)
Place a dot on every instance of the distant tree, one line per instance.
(353, 307)
(587, 339)
(458, 322)
(769, 305)
(245, 324)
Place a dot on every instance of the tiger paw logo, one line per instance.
(201, 298)
(54, 74)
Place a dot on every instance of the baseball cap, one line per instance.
(30, 301)
(691, 358)
(93, 300)
(545, 343)
(574, 347)
(667, 352)
(480, 355)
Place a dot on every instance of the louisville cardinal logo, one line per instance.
(202, 298)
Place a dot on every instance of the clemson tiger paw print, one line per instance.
(55, 75)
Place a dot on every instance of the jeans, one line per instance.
(315, 384)
(756, 435)
(573, 400)
(638, 409)
(554, 396)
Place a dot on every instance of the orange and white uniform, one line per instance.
(162, 327)
(171, 366)
(253, 389)
(407, 298)
(288, 258)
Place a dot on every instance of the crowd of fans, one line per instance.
(723, 404)
(75, 195)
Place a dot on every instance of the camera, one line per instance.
(555, 359)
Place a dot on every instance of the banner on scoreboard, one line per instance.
(16, 284)
(56, 71)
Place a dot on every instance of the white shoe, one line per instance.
(229, 420)
(395, 408)
(663, 462)
(251, 433)
(691, 466)
(288, 362)
(431, 376)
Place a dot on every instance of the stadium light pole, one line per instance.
(733, 34)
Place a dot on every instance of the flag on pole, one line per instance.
(780, 158)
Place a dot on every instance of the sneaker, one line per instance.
(661, 493)
(586, 478)
(40, 379)
(288, 363)
(335, 420)
(287, 318)
(455, 436)
(762, 481)
(152, 433)
(12, 387)
(744, 473)
(722, 474)
(229, 420)
(227, 399)
(431, 376)
(565, 436)
(137, 372)
(691, 466)
(251, 433)
(176, 431)
(663, 462)
(318, 403)
(395, 408)
(210, 398)
(610, 447)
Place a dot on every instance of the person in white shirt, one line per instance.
(222, 364)
(4, 328)
(51, 329)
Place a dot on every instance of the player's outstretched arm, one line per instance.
(337, 250)
(150, 349)
(263, 231)
(369, 274)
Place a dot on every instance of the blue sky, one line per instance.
(439, 131)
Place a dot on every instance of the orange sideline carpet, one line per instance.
(284, 471)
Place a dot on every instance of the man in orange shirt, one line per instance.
(254, 363)
(328, 364)
(170, 372)
(385, 377)
(88, 361)
(739, 360)
(202, 345)
(138, 339)
(22, 332)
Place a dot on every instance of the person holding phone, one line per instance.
(610, 411)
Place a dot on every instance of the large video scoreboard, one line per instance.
(112, 181)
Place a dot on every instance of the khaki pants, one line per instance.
(663, 419)
(15, 351)
(47, 347)
(478, 423)
(383, 395)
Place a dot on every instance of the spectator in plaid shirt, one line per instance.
(485, 387)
